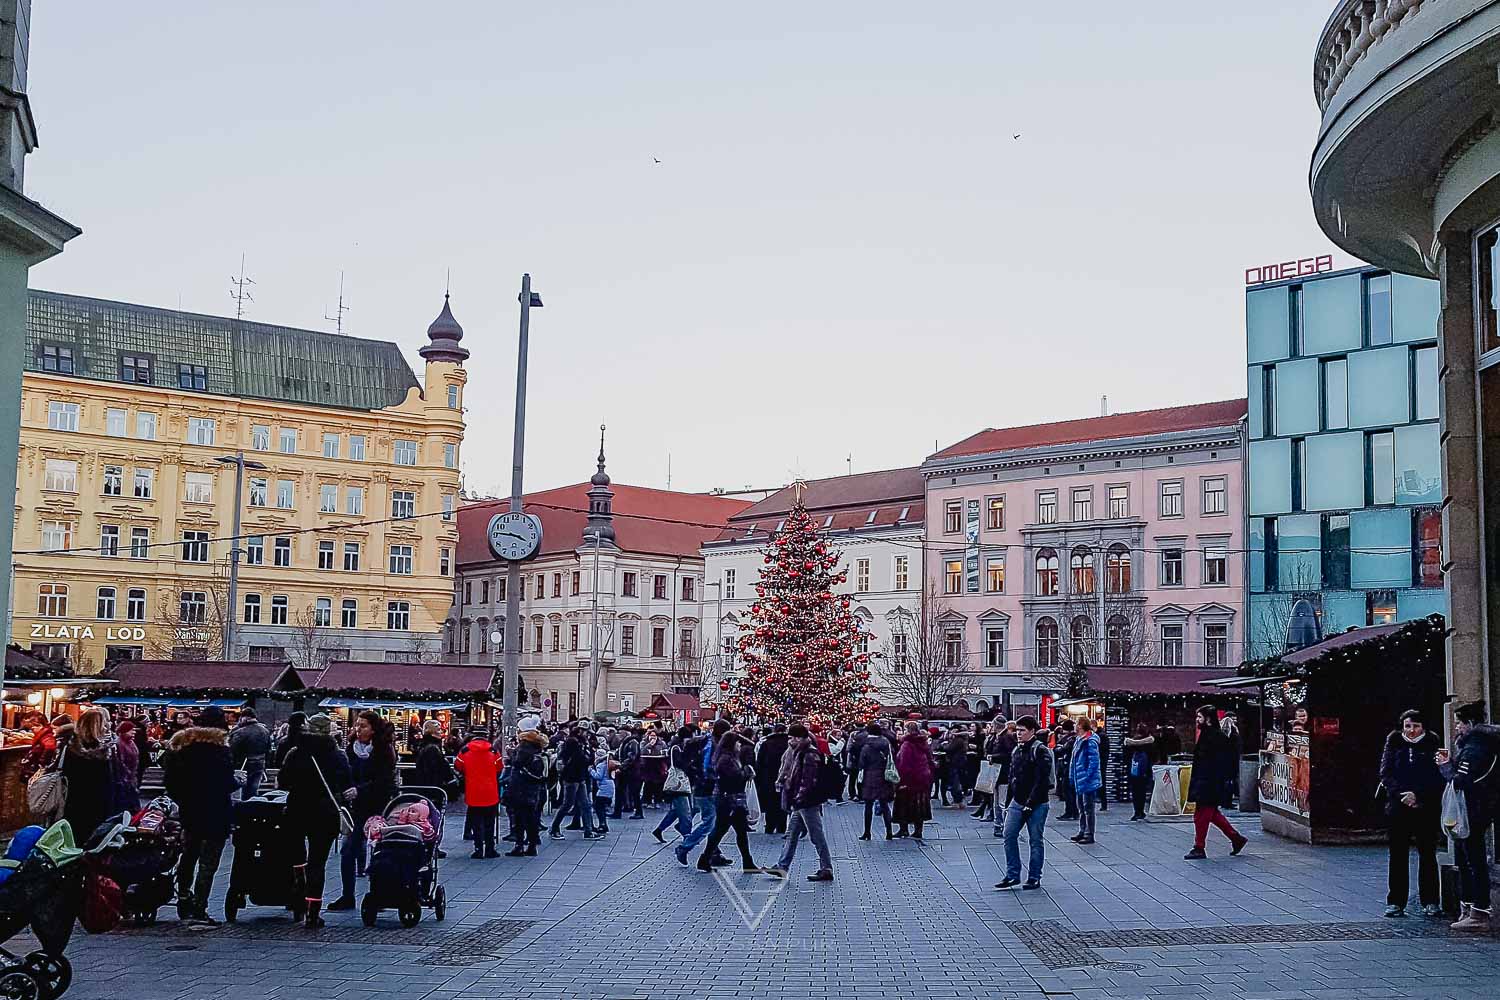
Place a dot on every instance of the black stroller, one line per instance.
(140, 854)
(404, 866)
(45, 895)
(263, 859)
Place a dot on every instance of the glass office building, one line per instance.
(1343, 480)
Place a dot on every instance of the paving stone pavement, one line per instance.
(617, 919)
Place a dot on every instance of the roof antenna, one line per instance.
(338, 312)
(1103, 406)
(240, 293)
(669, 470)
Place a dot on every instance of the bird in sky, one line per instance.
(1016, 136)
(655, 160)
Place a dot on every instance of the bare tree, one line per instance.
(694, 674)
(309, 647)
(926, 659)
(190, 622)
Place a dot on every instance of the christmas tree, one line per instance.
(801, 646)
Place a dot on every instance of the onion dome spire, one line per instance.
(443, 338)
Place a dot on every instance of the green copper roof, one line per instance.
(237, 357)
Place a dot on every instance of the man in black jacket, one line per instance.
(1413, 793)
(573, 762)
(199, 776)
(1032, 775)
(767, 765)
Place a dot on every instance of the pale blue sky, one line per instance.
(842, 250)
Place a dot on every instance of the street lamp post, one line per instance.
(240, 465)
(511, 676)
(588, 704)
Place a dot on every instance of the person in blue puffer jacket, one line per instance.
(604, 789)
(1085, 774)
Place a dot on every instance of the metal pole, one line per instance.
(234, 556)
(594, 636)
(513, 569)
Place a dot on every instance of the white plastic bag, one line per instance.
(1165, 800)
(752, 804)
(989, 777)
(1455, 813)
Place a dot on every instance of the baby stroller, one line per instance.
(403, 863)
(263, 861)
(140, 853)
(43, 890)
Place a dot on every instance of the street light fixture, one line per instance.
(240, 465)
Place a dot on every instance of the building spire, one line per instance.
(601, 515)
(443, 338)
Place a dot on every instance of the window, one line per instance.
(994, 648)
(1119, 501)
(325, 555)
(1425, 378)
(728, 584)
(1381, 451)
(404, 452)
(953, 576)
(200, 430)
(1427, 552)
(1378, 309)
(447, 506)
(450, 456)
(281, 552)
(994, 575)
(192, 607)
(1171, 567)
(135, 605)
(145, 426)
(404, 504)
(573, 638)
(689, 588)
(328, 498)
(105, 607)
(140, 543)
(61, 475)
(52, 600)
(468, 592)
(1335, 394)
(1171, 645)
(57, 536)
(1048, 645)
(287, 440)
(577, 583)
(109, 539)
(1081, 570)
(56, 359)
(1046, 507)
(260, 437)
(1046, 572)
(351, 557)
(255, 550)
(994, 514)
(953, 648)
(260, 491)
(861, 576)
(1215, 566)
(900, 575)
(1117, 640)
(541, 586)
(627, 585)
(1083, 504)
(453, 397)
(627, 640)
(1171, 498)
(556, 584)
(401, 560)
(114, 480)
(1216, 645)
(322, 612)
(659, 587)
(354, 499)
(135, 368)
(192, 377)
(114, 422)
(285, 494)
(357, 447)
(1117, 569)
(685, 643)
(252, 609)
(349, 613)
(62, 416)
(659, 641)
(195, 546)
(899, 654)
(953, 517)
(198, 487)
(144, 480)
(1215, 496)
(1081, 640)
(484, 591)
(278, 610)
(500, 584)
(330, 446)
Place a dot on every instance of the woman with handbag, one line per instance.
(314, 774)
(879, 776)
(916, 765)
(677, 789)
(734, 769)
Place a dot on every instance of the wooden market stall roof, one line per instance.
(224, 680)
(359, 684)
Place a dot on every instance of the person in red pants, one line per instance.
(1211, 788)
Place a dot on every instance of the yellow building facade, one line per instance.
(132, 423)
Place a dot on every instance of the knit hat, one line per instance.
(530, 724)
(600, 756)
(320, 724)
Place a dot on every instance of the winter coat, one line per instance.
(1032, 774)
(997, 750)
(629, 756)
(734, 768)
(915, 763)
(957, 748)
(1216, 769)
(431, 768)
(874, 752)
(1084, 766)
(697, 754)
(312, 808)
(91, 798)
(374, 781)
(652, 763)
(1474, 770)
(604, 785)
(1411, 767)
(526, 783)
(801, 788)
(199, 773)
(573, 760)
(481, 766)
(249, 739)
(42, 753)
(852, 747)
(768, 765)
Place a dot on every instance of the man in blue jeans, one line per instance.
(698, 762)
(1032, 774)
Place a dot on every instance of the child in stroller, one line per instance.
(140, 853)
(404, 857)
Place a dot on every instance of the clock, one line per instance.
(515, 536)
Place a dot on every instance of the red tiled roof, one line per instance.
(405, 678)
(1117, 425)
(204, 675)
(656, 522)
(1151, 680)
(849, 500)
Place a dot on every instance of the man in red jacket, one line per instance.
(480, 767)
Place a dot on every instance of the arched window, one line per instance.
(1082, 566)
(1117, 565)
(1046, 573)
(1081, 640)
(1117, 639)
(1046, 642)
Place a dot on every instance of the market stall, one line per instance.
(158, 689)
(408, 694)
(681, 709)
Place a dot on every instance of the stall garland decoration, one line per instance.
(1185, 701)
(801, 645)
(1418, 641)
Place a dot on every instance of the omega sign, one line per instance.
(124, 633)
(1288, 269)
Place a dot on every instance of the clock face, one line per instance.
(515, 536)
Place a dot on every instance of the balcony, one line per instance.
(1408, 141)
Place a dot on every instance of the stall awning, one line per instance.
(60, 682)
(125, 699)
(362, 703)
(1107, 680)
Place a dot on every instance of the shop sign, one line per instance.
(1284, 775)
(123, 633)
(971, 553)
(1306, 267)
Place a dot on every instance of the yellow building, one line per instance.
(131, 421)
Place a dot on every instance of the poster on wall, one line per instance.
(971, 552)
(1284, 775)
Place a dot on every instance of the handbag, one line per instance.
(892, 776)
(752, 804)
(346, 820)
(1455, 814)
(47, 791)
(677, 782)
(989, 777)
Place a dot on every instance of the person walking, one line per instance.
(627, 778)
(1063, 752)
(1032, 774)
(734, 769)
(1473, 771)
(604, 790)
(249, 746)
(698, 758)
(314, 774)
(853, 740)
(1139, 750)
(1215, 770)
(767, 766)
(127, 780)
(373, 783)
(526, 787)
(1413, 788)
(679, 801)
(573, 769)
(481, 766)
(956, 751)
(916, 764)
(802, 794)
(875, 754)
(993, 750)
(653, 769)
(1086, 778)
(198, 774)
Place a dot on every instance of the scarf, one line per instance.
(362, 750)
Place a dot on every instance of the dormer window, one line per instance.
(828, 521)
(905, 513)
(871, 518)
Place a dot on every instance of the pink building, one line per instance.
(1111, 540)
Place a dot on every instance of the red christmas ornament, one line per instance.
(723, 685)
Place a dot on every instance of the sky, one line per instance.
(844, 259)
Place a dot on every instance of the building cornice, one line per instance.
(1088, 451)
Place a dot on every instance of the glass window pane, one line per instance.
(1378, 384)
(1270, 476)
(1257, 555)
(1382, 468)
(1425, 362)
(1378, 308)
(1418, 465)
(1256, 393)
(1297, 397)
(1337, 479)
(1332, 315)
(1335, 394)
(1299, 552)
(1380, 548)
(1336, 552)
(1415, 305)
(1267, 313)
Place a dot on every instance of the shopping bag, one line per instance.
(1165, 800)
(752, 804)
(1455, 814)
(989, 777)
(677, 782)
